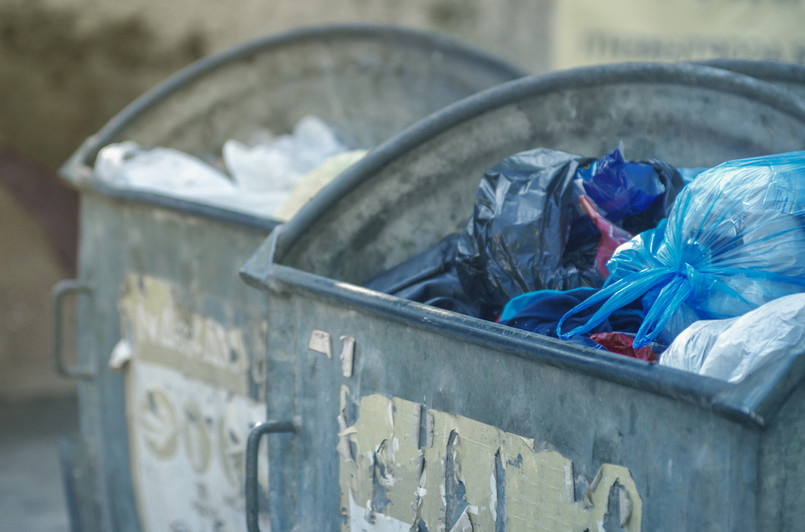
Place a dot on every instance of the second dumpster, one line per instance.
(170, 350)
(399, 416)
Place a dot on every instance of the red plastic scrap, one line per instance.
(621, 343)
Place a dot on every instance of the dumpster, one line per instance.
(170, 342)
(393, 415)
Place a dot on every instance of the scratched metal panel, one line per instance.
(702, 454)
(164, 282)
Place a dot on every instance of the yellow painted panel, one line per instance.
(389, 483)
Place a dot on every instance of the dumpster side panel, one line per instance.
(782, 466)
(466, 404)
(164, 293)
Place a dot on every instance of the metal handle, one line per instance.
(62, 289)
(252, 447)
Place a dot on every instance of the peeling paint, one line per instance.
(472, 476)
(121, 355)
(347, 355)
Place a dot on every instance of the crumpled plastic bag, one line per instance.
(528, 233)
(278, 163)
(731, 349)
(540, 311)
(734, 240)
(265, 179)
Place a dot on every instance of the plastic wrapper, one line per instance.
(734, 240)
(278, 163)
(731, 349)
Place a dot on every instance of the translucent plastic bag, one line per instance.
(734, 348)
(734, 240)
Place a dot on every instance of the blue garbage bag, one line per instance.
(734, 240)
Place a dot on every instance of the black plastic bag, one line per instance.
(528, 232)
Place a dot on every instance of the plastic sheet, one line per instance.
(731, 349)
(540, 311)
(278, 163)
(621, 343)
(261, 179)
(733, 241)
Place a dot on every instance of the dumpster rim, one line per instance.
(767, 71)
(681, 74)
(78, 168)
(86, 154)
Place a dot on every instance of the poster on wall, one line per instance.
(588, 32)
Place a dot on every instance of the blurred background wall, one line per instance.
(67, 66)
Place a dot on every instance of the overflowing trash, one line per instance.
(272, 177)
(550, 249)
(734, 240)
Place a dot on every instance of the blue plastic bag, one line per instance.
(734, 240)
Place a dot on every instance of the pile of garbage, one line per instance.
(272, 176)
(698, 269)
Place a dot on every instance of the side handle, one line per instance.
(252, 446)
(62, 289)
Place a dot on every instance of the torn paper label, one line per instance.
(320, 342)
(472, 476)
(191, 400)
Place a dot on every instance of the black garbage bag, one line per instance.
(528, 231)
(429, 277)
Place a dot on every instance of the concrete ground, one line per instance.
(31, 490)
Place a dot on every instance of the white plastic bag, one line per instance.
(731, 349)
(279, 163)
(262, 177)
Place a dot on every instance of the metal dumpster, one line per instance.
(170, 342)
(392, 415)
